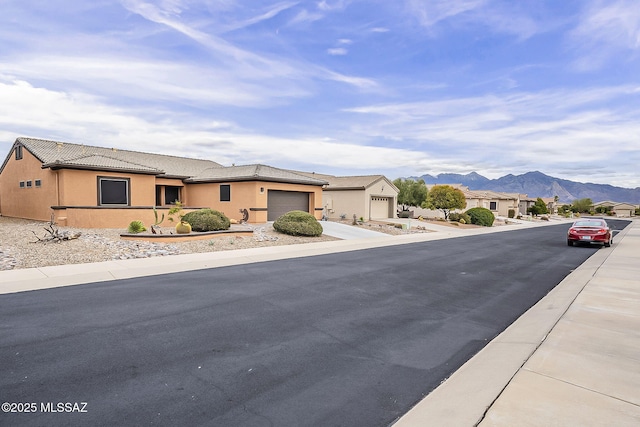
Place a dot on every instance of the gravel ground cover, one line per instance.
(20, 248)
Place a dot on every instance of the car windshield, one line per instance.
(589, 223)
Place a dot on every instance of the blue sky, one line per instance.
(402, 87)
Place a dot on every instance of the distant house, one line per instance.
(368, 196)
(622, 210)
(496, 202)
(97, 187)
(526, 202)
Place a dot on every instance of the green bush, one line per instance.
(462, 218)
(481, 216)
(136, 227)
(207, 220)
(512, 213)
(298, 223)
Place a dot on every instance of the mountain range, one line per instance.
(537, 184)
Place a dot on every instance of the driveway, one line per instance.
(348, 232)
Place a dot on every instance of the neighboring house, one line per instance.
(526, 202)
(623, 210)
(498, 203)
(368, 197)
(96, 187)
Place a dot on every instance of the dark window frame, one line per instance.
(29, 184)
(493, 206)
(111, 179)
(22, 184)
(225, 195)
(18, 152)
(37, 183)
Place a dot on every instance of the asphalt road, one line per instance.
(351, 339)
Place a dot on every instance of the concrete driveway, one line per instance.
(348, 232)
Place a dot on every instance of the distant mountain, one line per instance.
(537, 184)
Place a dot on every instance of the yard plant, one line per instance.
(136, 227)
(207, 220)
(481, 216)
(298, 223)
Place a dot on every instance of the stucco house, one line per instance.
(97, 187)
(623, 210)
(367, 196)
(496, 202)
(526, 202)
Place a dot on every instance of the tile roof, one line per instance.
(254, 172)
(481, 194)
(65, 154)
(347, 182)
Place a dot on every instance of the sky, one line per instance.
(343, 87)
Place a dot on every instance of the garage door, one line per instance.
(379, 207)
(281, 202)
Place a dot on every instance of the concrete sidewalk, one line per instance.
(571, 360)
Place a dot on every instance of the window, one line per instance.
(113, 191)
(171, 195)
(18, 152)
(493, 206)
(225, 193)
(29, 184)
(38, 183)
(21, 184)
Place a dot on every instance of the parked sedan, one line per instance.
(590, 231)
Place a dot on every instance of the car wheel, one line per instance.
(608, 244)
(569, 242)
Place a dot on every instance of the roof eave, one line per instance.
(58, 166)
(252, 178)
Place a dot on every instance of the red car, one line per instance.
(590, 231)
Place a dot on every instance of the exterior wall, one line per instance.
(31, 203)
(345, 202)
(80, 187)
(249, 195)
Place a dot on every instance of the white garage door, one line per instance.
(379, 207)
(281, 202)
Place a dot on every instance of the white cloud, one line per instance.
(431, 12)
(555, 128)
(337, 51)
(605, 30)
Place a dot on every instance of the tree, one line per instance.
(445, 198)
(540, 207)
(581, 205)
(412, 193)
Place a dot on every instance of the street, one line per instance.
(351, 339)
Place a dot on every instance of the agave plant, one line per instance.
(136, 227)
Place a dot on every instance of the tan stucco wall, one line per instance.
(30, 203)
(98, 217)
(249, 195)
(80, 187)
(345, 202)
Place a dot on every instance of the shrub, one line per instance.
(462, 218)
(136, 227)
(481, 216)
(512, 213)
(207, 220)
(298, 223)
